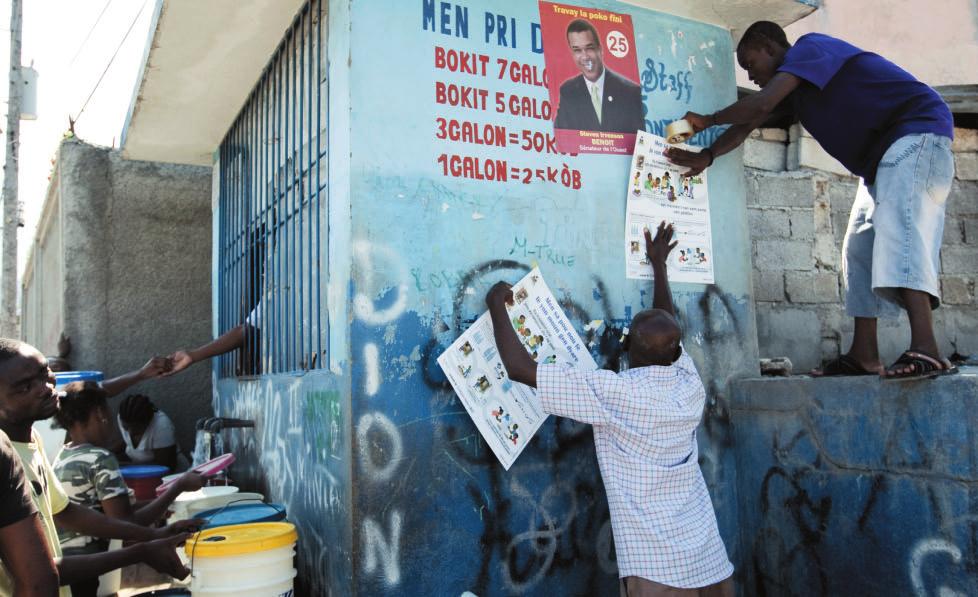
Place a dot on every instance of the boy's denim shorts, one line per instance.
(896, 225)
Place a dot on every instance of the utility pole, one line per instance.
(9, 324)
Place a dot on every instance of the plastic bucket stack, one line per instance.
(143, 479)
(237, 514)
(245, 560)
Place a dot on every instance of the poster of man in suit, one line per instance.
(593, 78)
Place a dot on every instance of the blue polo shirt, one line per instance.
(856, 103)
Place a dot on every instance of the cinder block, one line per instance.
(807, 153)
(764, 155)
(812, 287)
(773, 134)
(768, 286)
(822, 215)
(775, 255)
(795, 132)
(768, 222)
(953, 231)
(956, 290)
(781, 190)
(791, 332)
(970, 226)
(963, 199)
(841, 194)
(829, 348)
(840, 223)
(791, 157)
(834, 320)
(802, 224)
(827, 251)
(959, 259)
(965, 140)
(966, 166)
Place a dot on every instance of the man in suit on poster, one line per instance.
(598, 99)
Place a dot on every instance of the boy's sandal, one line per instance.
(922, 367)
(843, 365)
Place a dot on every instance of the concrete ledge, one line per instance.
(854, 486)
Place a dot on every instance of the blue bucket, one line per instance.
(242, 514)
(66, 377)
(143, 471)
(143, 479)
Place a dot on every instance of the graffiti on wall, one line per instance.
(893, 516)
(295, 456)
(520, 528)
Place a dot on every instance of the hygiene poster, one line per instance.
(657, 191)
(508, 413)
(592, 77)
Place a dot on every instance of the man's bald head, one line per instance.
(653, 339)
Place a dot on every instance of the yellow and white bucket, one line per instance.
(247, 560)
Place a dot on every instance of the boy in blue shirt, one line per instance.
(884, 126)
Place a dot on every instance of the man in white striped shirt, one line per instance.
(645, 421)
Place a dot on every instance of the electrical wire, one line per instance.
(111, 60)
(89, 34)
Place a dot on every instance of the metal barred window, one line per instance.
(273, 210)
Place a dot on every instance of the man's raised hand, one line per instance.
(500, 295)
(658, 249)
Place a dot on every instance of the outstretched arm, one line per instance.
(745, 115)
(520, 366)
(657, 251)
(226, 342)
(160, 554)
(119, 506)
(155, 367)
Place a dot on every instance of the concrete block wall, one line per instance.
(798, 208)
(136, 267)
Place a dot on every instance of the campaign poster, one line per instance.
(593, 78)
(508, 413)
(659, 190)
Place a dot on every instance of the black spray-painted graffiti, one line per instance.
(568, 522)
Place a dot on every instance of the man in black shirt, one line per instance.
(23, 549)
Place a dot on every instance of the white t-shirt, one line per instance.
(159, 434)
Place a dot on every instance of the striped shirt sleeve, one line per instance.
(585, 396)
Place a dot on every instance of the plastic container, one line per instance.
(208, 469)
(195, 509)
(190, 499)
(242, 514)
(143, 479)
(54, 437)
(110, 582)
(249, 560)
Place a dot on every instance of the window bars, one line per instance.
(273, 210)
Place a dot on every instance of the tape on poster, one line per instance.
(678, 132)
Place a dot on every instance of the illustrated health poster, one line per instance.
(659, 190)
(508, 413)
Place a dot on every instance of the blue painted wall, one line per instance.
(857, 487)
(434, 513)
(425, 508)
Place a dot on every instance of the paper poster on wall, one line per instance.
(592, 77)
(659, 190)
(508, 413)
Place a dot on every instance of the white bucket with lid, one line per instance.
(247, 560)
